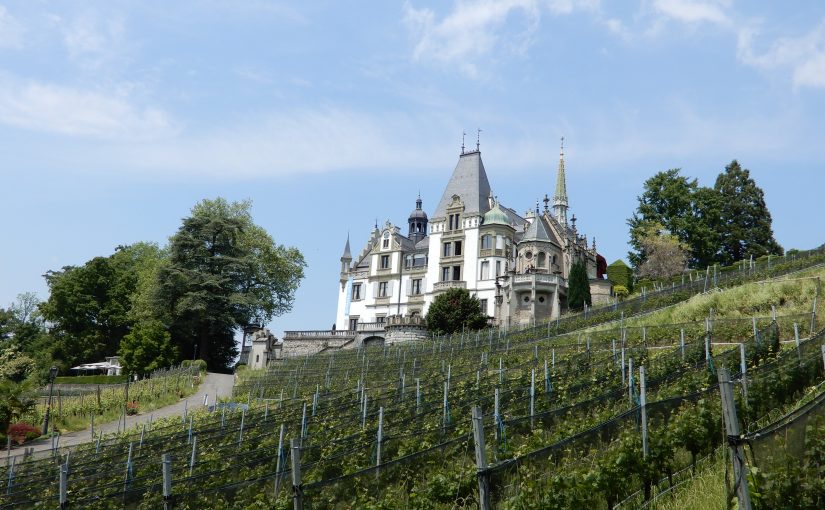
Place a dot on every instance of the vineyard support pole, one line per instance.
(743, 368)
(445, 403)
(755, 332)
(813, 308)
(297, 488)
(497, 416)
(128, 470)
(266, 409)
(682, 342)
(240, 431)
(304, 421)
(278, 460)
(64, 486)
(10, 482)
(363, 411)
(380, 437)
(643, 405)
(92, 416)
(167, 481)
(546, 377)
(194, 454)
(630, 382)
(732, 429)
(532, 397)
(823, 356)
(623, 375)
(417, 395)
(500, 372)
(796, 339)
(481, 460)
(189, 436)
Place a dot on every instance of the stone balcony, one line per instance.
(449, 284)
(540, 280)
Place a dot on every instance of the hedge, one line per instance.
(91, 379)
(620, 274)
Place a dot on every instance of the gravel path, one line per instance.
(219, 385)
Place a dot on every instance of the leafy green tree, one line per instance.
(666, 255)
(89, 306)
(147, 347)
(15, 365)
(224, 272)
(745, 218)
(455, 310)
(668, 199)
(578, 287)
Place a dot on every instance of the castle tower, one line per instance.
(346, 260)
(560, 197)
(417, 222)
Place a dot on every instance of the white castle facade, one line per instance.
(516, 265)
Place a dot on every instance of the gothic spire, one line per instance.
(347, 255)
(560, 197)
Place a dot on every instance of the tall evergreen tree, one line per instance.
(745, 220)
(455, 310)
(578, 287)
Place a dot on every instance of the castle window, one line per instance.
(528, 255)
(486, 242)
(457, 248)
(257, 358)
(385, 261)
(483, 303)
(447, 249)
(353, 323)
(498, 268)
(485, 270)
(416, 287)
(386, 244)
(541, 259)
(356, 292)
(382, 289)
(456, 273)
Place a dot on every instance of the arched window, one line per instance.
(541, 257)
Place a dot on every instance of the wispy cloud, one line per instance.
(11, 30)
(694, 11)
(475, 28)
(91, 40)
(71, 111)
(804, 55)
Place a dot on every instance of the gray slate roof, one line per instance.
(536, 231)
(469, 181)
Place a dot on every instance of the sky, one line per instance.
(117, 117)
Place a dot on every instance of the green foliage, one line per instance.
(620, 274)
(198, 363)
(666, 255)
(746, 219)
(726, 223)
(146, 348)
(621, 292)
(89, 305)
(578, 287)
(455, 310)
(14, 402)
(224, 272)
(14, 365)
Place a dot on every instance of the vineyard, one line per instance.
(549, 416)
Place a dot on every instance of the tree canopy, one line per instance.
(727, 222)
(578, 287)
(455, 310)
(224, 272)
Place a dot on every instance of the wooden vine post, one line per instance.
(481, 460)
(643, 406)
(732, 429)
(167, 481)
(297, 488)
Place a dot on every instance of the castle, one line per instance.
(516, 265)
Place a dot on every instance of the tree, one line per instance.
(14, 402)
(668, 199)
(455, 310)
(666, 255)
(147, 347)
(89, 306)
(578, 287)
(224, 272)
(746, 221)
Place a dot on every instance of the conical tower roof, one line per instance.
(469, 181)
(536, 231)
(347, 254)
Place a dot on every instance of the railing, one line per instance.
(319, 333)
(370, 326)
(538, 278)
(490, 252)
(450, 284)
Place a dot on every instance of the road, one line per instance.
(219, 385)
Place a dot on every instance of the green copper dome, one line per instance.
(496, 216)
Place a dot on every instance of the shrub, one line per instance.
(91, 379)
(620, 274)
(199, 363)
(132, 407)
(22, 432)
(621, 292)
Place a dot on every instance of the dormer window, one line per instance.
(454, 221)
(385, 243)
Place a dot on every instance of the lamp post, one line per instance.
(52, 375)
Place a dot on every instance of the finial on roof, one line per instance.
(478, 140)
(594, 243)
(463, 134)
(573, 221)
(546, 202)
(537, 207)
(562, 147)
(376, 223)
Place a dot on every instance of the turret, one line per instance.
(560, 197)
(417, 222)
(346, 260)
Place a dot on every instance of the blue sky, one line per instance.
(117, 117)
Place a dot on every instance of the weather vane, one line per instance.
(478, 139)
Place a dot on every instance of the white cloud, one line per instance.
(694, 11)
(475, 28)
(70, 111)
(90, 41)
(11, 31)
(804, 56)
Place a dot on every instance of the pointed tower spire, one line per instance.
(347, 254)
(560, 197)
(346, 259)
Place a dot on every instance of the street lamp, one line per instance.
(52, 375)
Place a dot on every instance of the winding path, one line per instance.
(214, 385)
